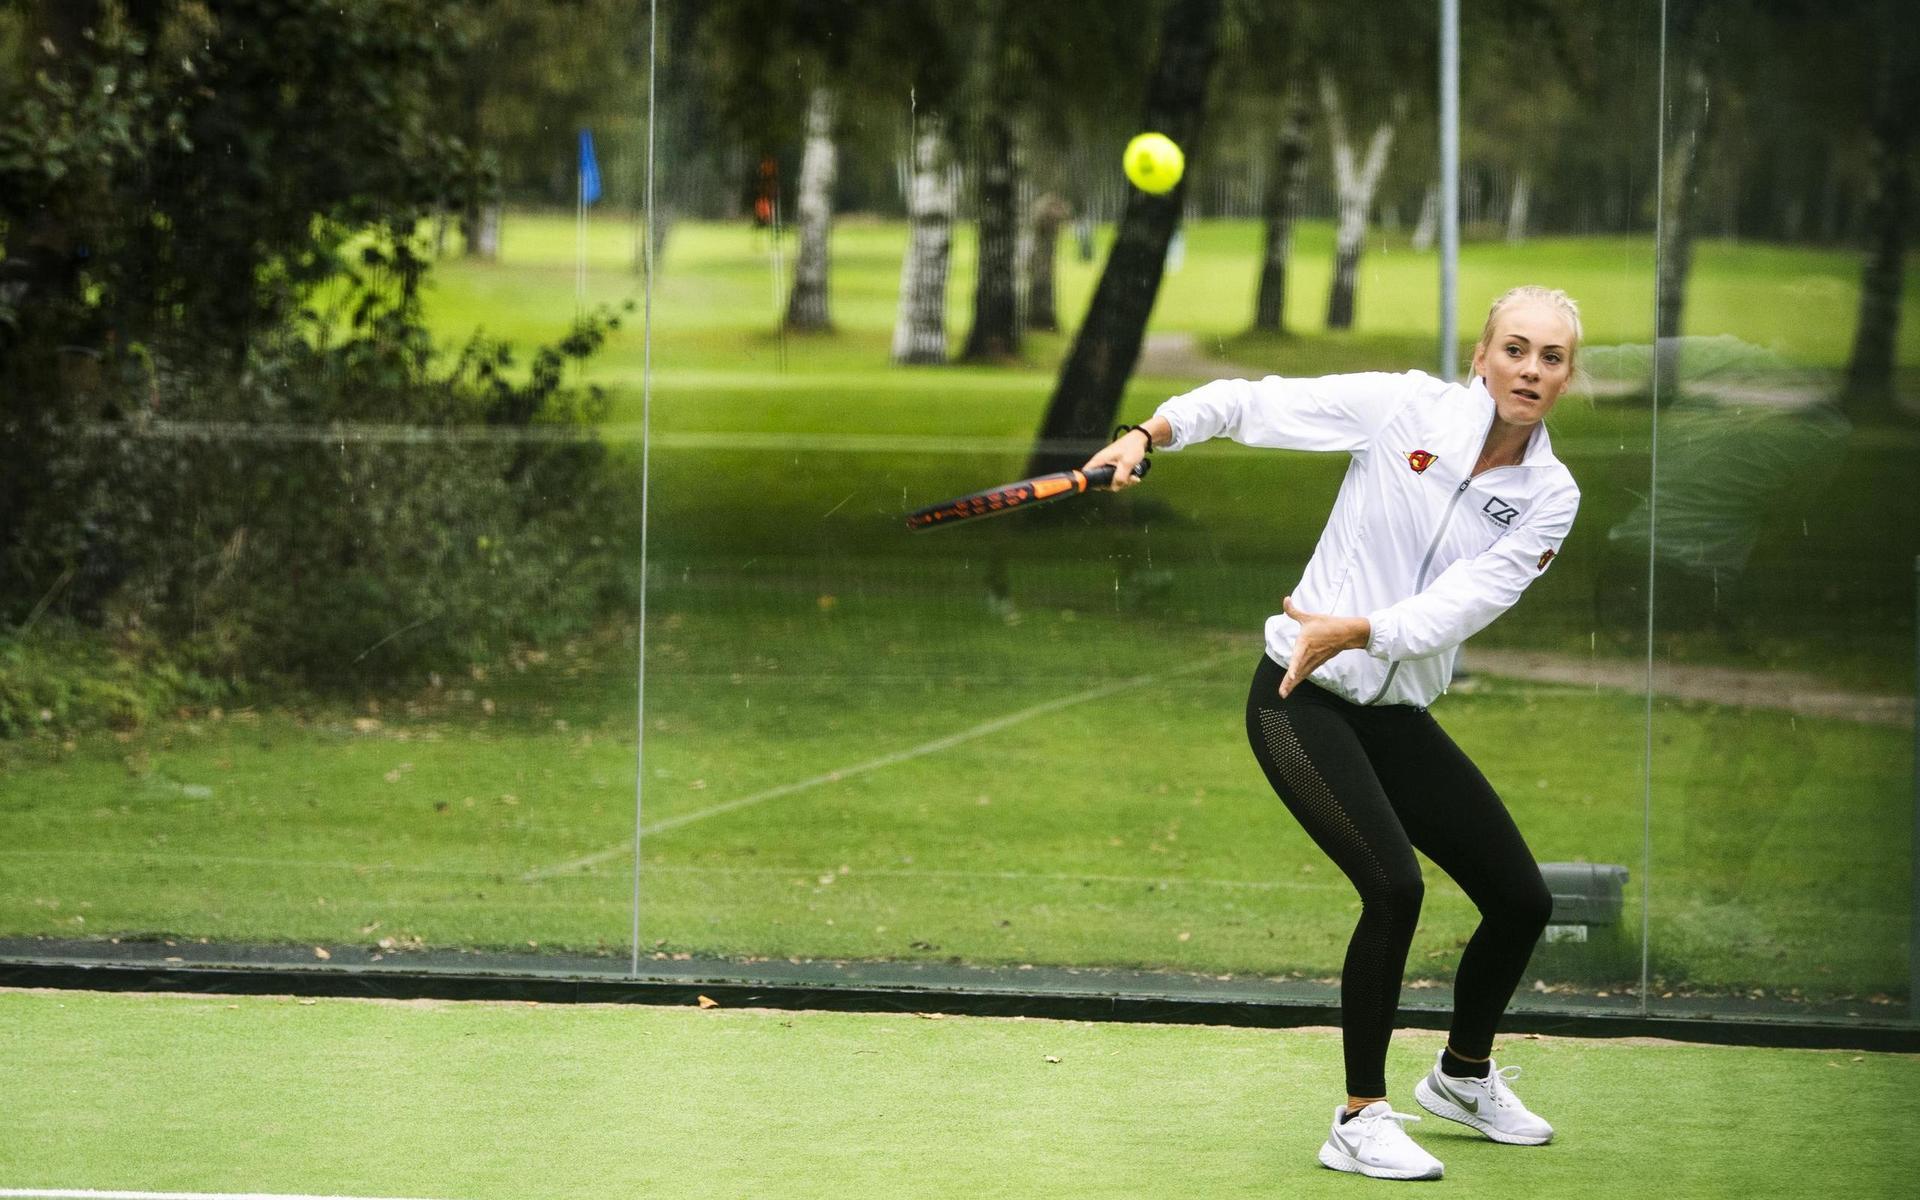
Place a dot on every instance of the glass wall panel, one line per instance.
(391, 436)
(320, 589)
(1011, 752)
(1782, 517)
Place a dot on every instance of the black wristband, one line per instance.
(1121, 431)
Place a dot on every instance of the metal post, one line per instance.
(646, 491)
(1449, 187)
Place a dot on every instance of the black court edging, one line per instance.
(450, 985)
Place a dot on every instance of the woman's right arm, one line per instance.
(1332, 412)
(1125, 452)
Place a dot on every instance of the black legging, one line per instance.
(1369, 784)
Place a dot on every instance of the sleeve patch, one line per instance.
(1544, 560)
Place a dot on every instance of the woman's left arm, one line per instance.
(1470, 593)
(1321, 637)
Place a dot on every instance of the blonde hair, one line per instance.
(1553, 298)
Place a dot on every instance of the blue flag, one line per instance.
(589, 169)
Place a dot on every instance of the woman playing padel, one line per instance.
(1452, 504)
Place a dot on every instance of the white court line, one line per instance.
(1166, 881)
(223, 860)
(84, 1194)
(874, 764)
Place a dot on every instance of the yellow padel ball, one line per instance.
(1153, 162)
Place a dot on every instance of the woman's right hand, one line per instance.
(1123, 454)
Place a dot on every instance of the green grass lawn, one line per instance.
(719, 282)
(795, 630)
(473, 1101)
(1128, 828)
(736, 404)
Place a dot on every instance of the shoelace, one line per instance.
(1498, 1088)
(1389, 1115)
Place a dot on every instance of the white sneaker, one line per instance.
(1488, 1105)
(1372, 1142)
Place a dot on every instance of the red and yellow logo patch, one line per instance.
(1420, 460)
(1544, 560)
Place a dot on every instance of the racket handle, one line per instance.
(1100, 477)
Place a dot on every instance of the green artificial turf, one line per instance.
(473, 1101)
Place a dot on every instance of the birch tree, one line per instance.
(1285, 187)
(920, 329)
(807, 308)
(995, 333)
(1357, 177)
(1519, 198)
(1043, 240)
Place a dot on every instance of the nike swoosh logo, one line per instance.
(1351, 1150)
(1472, 1106)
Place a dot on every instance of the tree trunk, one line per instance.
(1284, 188)
(1049, 213)
(1358, 181)
(920, 329)
(807, 303)
(1092, 380)
(1428, 226)
(995, 334)
(1870, 387)
(1518, 202)
(480, 228)
(1685, 165)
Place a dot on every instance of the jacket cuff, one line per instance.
(1382, 634)
(1179, 442)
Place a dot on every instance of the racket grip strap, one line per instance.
(1100, 477)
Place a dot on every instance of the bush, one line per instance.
(201, 460)
(371, 521)
(59, 677)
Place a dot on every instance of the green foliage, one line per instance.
(223, 424)
(377, 519)
(60, 678)
(536, 70)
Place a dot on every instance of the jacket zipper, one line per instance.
(1420, 577)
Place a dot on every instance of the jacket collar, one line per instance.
(1539, 451)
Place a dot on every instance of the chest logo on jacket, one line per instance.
(1420, 460)
(1499, 511)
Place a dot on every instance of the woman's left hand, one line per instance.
(1321, 637)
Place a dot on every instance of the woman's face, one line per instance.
(1528, 362)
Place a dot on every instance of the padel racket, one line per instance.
(1020, 494)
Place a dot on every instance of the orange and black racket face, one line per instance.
(1007, 497)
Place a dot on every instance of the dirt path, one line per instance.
(1178, 355)
(1779, 691)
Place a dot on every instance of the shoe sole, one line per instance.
(1338, 1160)
(1440, 1106)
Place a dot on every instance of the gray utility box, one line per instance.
(1583, 894)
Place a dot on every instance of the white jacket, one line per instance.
(1425, 553)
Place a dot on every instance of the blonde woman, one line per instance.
(1453, 503)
